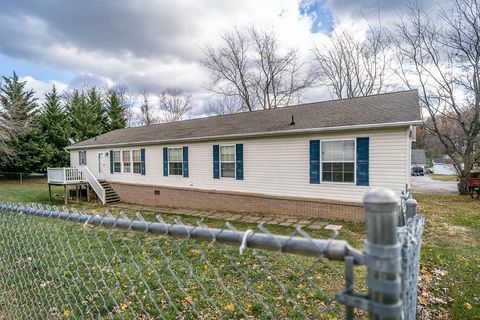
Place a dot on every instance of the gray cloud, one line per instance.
(151, 44)
(370, 9)
(141, 28)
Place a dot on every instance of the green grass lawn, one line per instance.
(129, 273)
(441, 177)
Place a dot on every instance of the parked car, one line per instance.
(418, 171)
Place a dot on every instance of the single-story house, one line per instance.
(418, 158)
(315, 159)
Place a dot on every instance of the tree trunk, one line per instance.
(463, 183)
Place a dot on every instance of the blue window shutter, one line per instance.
(216, 161)
(111, 162)
(165, 162)
(315, 161)
(185, 161)
(142, 161)
(362, 161)
(80, 158)
(239, 161)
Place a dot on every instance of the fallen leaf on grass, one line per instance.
(230, 307)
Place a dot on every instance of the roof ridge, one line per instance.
(401, 106)
(271, 110)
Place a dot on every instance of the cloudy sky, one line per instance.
(154, 44)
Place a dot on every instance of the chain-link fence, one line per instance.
(21, 177)
(60, 263)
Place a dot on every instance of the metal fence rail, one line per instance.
(60, 263)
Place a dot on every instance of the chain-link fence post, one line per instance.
(383, 254)
(410, 261)
(411, 211)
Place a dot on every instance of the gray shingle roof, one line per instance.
(388, 108)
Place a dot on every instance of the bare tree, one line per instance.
(147, 113)
(353, 68)
(128, 101)
(225, 105)
(440, 55)
(174, 104)
(278, 79)
(249, 66)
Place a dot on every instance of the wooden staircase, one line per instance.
(110, 195)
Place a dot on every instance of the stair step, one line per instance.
(110, 195)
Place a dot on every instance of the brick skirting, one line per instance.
(161, 196)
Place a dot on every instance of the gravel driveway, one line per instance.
(425, 184)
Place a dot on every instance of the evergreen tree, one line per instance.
(17, 104)
(19, 107)
(55, 129)
(97, 108)
(86, 114)
(115, 111)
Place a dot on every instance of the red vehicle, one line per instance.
(474, 184)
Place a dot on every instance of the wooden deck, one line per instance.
(78, 177)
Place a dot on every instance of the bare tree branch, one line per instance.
(352, 68)
(147, 115)
(174, 104)
(225, 105)
(441, 56)
(249, 67)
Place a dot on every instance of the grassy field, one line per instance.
(441, 177)
(449, 286)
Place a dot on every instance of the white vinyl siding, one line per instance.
(280, 166)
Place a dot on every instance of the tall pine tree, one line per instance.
(55, 129)
(86, 114)
(115, 111)
(19, 107)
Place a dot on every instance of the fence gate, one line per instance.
(60, 263)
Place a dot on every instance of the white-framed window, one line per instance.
(82, 158)
(117, 163)
(175, 161)
(137, 161)
(338, 160)
(126, 161)
(227, 161)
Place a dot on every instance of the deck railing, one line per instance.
(76, 175)
(93, 182)
(65, 175)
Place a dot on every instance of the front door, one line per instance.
(101, 165)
